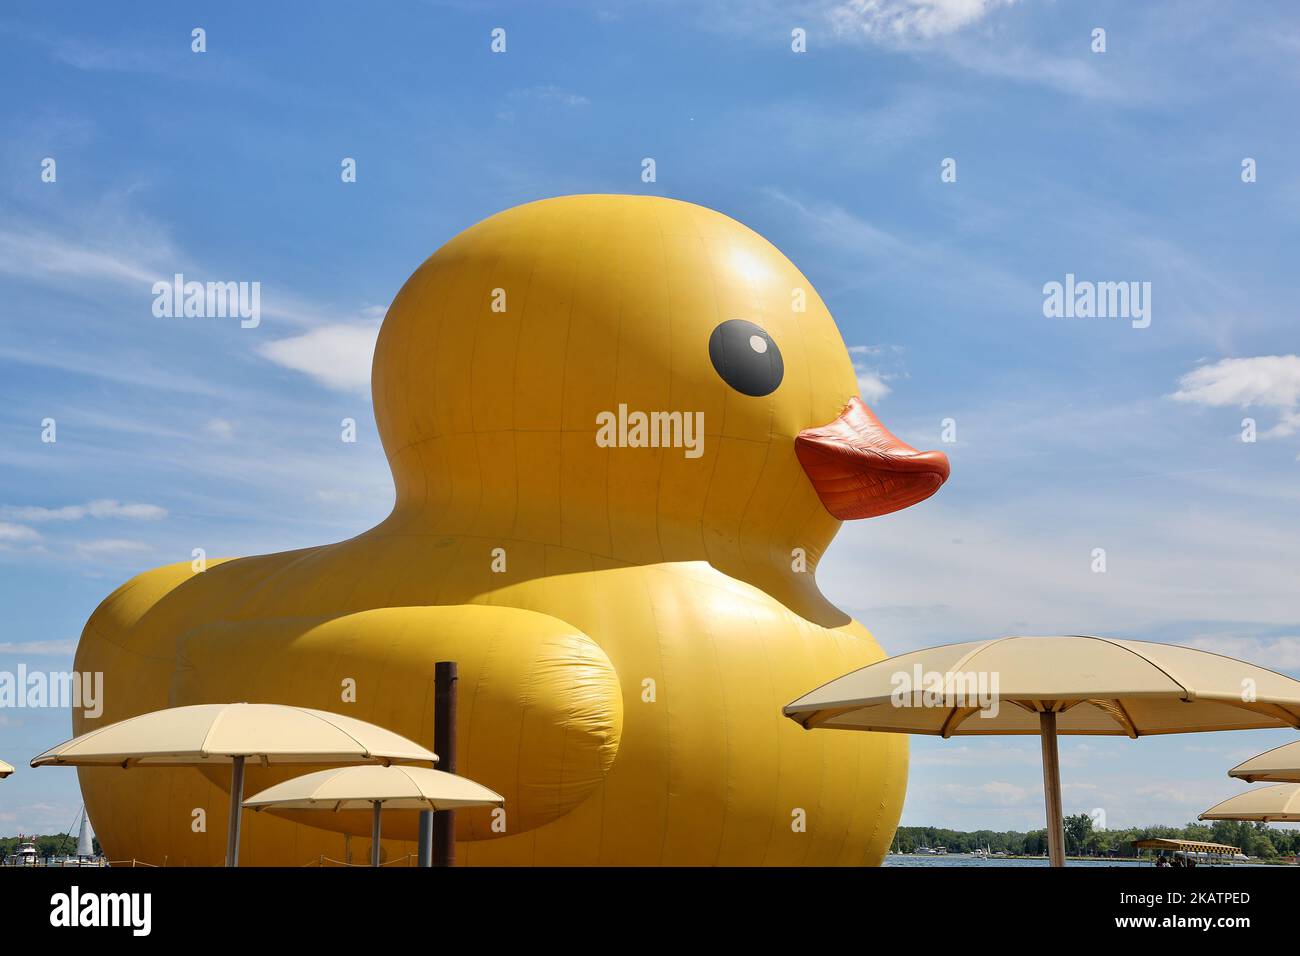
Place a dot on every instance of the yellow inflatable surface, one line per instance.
(623, 430)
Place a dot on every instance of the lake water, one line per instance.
(958, 859)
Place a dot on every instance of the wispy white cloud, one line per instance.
(39, 648)
(96, 57)
(337, 356)
(102, 508)
(93, 54)
(110, 548)
(960, 568)
(1077, 74)
(992, 792)
(131, 369)
(551, 94)
(895, 20)
(868, 364)
(39, 816)
(219, 428)
(40, 255)
(889, 22)
(871, 387)
(983, 754)
(148, 54)
(112, 244)
(834, 225)
(865, 251)
(1266, 381)
(815, 129)
(11, 534)
(1278, 653)
(985, 37)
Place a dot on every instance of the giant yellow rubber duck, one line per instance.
(623, 430)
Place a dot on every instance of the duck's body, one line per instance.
(628, 621)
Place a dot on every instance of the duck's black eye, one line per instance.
(746, 357)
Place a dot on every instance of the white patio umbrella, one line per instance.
(204, 734)
(1279, 765)
(1279, 803)
(1053, 685)
(397, 788)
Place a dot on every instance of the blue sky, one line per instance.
(1073, 434)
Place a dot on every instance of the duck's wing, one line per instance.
(539, 713)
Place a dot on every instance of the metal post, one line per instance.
(424, 823)
(374, 835)
(236, 806)
(445, 679)
(424, 838)
(1052, 789)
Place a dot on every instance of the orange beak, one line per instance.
(860, 470)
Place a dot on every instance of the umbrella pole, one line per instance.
(374, 835)
(1052, 788)
(446, 679)
(236, 806)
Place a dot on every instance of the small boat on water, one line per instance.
(25, 854)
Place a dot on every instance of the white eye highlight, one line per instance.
(758, 344)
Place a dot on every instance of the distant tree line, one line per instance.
(53, 844)
(1083, 839)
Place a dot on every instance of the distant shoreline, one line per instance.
(1085, 841)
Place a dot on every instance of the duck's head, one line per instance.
(516, 367)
